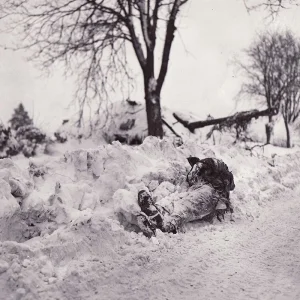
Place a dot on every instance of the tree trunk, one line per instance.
(269, 130)
(288, 136)
(153, 109)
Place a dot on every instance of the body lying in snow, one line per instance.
(208, 196)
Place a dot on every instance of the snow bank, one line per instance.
(73, 209)
(110, 176)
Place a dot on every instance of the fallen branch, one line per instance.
(240, 117)
(255, 146)
(171, 128)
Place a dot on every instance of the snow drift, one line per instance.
(62, 213)
(126, 121)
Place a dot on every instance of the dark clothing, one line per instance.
(151, 217)
(214, 172)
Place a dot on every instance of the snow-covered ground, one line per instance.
(66, 240)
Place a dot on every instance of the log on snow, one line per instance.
(230, 120)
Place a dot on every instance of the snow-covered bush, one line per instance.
(61, 137)
(8, 145)
(23, 138)
(30, 138)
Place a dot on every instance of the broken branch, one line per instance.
(240, 117)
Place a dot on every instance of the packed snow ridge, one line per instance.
(67, 226)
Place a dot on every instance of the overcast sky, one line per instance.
(200, 80)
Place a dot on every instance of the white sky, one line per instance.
(202, 81)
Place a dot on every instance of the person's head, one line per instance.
(193, 160)
(231, 182)
(144, 199)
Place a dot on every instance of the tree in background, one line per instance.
(290, 111)
(289, 106)
(273, 73)
(24, 138)
(20, 118)
(92, 37)
(273, 6)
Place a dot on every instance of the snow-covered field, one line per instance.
(68, 241)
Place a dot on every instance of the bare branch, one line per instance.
(171, 128)
(273, 74)
(144, 23)
(92, 39)
(245, 116)
(168, 42)
(273, 7)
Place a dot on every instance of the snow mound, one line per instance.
(124, 121)
(15, 186)
(67, 225)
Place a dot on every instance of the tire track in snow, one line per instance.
(242, 260)
(260, 260)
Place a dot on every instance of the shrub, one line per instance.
(30, 138)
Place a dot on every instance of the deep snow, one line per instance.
(66, 240)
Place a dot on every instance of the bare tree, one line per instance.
(272, 6)
(92, 36)
(272, 71)
(290, 107)
(290, 111)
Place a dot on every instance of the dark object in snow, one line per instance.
(177, 142)
(193, 160)
(121, 138)
(60, 137)
(144, 200)
(136, 140)
(125, 139)
(127, 125)
(214, 172)
(36, 171)
(151, 217)
(132, 102)
(65, 121)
